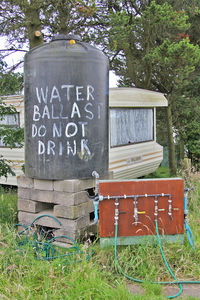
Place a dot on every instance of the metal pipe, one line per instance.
(133, 196)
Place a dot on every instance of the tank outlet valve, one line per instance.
(156, 207)
(170, 208)
(116, 211)
(96, 176)
(135, 211)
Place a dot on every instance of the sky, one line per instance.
(112, 79)
(14, 58)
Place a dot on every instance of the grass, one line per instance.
(22, 276)
(8, 207)
(161, 172)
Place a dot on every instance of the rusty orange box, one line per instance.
(138, 209)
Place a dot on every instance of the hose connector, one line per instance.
(156, 207)
(135, 211)
(96, 176)
(116, 211)
(170, 208)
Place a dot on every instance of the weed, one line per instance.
(22, 276)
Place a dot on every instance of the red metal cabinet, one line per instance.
(145, 205)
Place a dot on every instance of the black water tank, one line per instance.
(66, 110)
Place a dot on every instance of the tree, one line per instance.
(10, 83)
(10, 138)
(151, 44)
(187, 120)
(34, 21)
(186, 141)
(149, 48)
(179, 62)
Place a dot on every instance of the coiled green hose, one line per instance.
(45, 250)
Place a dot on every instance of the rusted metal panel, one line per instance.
(145, 205)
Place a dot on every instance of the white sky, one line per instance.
(12, 59)
(112, 79)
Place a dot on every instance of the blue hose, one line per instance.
(187, 227)
(96, 206)
(189, 235)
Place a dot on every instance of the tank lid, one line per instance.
(75, 37)
(66, 37)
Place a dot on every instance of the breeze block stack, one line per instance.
(66, 200)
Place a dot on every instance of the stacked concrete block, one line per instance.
(66, 200)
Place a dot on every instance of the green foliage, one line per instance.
(8, 207)
(6, 110)
(10, 83)
(164, 21)
(161, 126)
(12, 137)
(161, 172)
(140, 35)
(187, 119)
(151, 44)
(34, 22)
(5, 168)
(174, 62)
(155, 52)
(22, 276)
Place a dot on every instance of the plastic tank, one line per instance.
(66, 110)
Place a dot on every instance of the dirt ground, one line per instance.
(192, 290)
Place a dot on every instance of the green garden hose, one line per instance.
(152, 282)
(45, 250)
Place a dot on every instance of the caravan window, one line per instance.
(11, 120)
(131, 125)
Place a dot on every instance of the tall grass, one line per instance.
(8, 206)
(22, 276)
